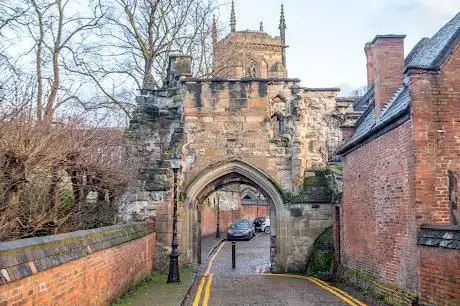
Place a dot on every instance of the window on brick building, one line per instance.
(454, 189)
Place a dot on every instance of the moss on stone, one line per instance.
(323, 254)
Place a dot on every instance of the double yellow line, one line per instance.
(335, 291)
(206, 281)
(206, 277)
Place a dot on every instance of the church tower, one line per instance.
(249, 53)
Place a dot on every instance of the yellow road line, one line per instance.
(196, 300)
(349, 302)
(340, 291)
(207, 291)
(212, 259)
(337, 292)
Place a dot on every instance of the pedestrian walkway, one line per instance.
(155, 291)
(208, 243)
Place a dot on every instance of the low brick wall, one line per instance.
(90, 267)
(252, 211)
(208, 220)
(227, 217)
(439, 265)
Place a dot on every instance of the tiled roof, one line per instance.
(362, 103)
(398, 104)
(397, 107)
(434, 50)
(429, 53)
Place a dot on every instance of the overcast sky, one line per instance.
(326, 37)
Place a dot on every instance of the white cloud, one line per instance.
(441, 7)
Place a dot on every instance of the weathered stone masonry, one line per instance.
(253, 127)
(274, 126)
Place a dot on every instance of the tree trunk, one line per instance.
(54, 187)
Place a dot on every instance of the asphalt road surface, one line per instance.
(251, 284)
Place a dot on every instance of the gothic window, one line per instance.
(251, 70)
(278, 115)
(276, 125)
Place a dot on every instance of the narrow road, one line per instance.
(248, 285)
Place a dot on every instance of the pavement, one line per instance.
(209, 243)
(251, 284)
(155, 291)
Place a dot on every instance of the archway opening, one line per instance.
(228, 206)
(205, 188)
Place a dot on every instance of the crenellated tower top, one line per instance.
(249, 53)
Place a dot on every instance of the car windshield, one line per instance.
(239, 226)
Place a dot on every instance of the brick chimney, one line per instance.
(369, 63)
(388, 54)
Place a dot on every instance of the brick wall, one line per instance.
(251, 211)
(81, 268)
(439, 265)
(435, 108)
(439, 276)
(379, 228)
(227, 217)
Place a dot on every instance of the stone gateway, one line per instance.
(259, 128)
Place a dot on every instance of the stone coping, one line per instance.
(443, 236)
(22, 258)
(321, 88)
(245, 79)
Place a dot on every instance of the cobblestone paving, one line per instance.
(244, 286)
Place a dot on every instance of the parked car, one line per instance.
(250, 223)
(242, 229)
(265, 227)
(258, 221)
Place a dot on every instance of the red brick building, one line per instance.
(397, 229)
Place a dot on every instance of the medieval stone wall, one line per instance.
(273, 125)
(225, 120)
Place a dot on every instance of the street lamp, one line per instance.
(218, 216)
(258, 199)
(173, 276)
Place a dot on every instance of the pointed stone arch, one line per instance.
(249, 193)
(220, 175)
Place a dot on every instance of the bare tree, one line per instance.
(61, 177)
(359, 92)
(138, 37)
(54, 29)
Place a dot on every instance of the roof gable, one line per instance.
(435, 49)
(428, 53)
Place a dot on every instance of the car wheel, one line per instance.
(267, 230)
